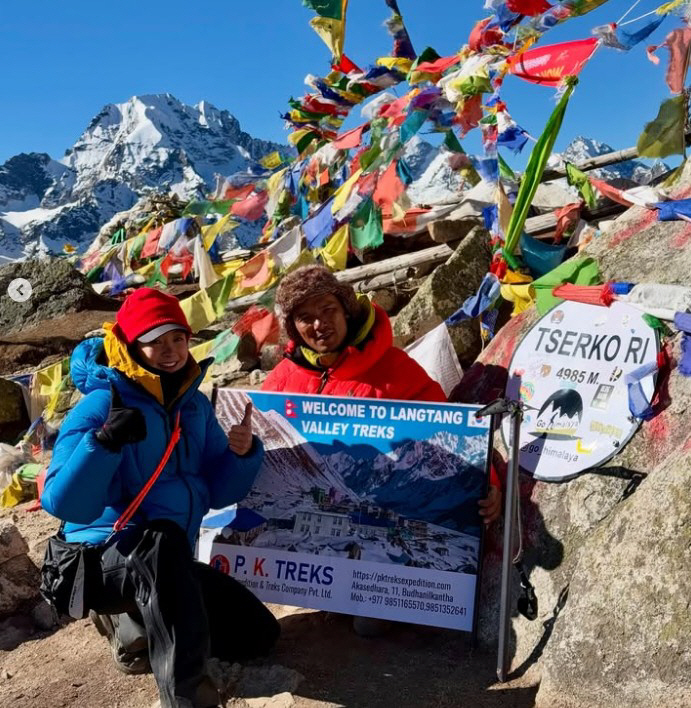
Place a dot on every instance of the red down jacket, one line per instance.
(376, 369)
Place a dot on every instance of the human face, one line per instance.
(169, 352)
(321, 322)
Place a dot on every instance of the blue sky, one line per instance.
(62, 61)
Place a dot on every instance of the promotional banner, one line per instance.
(362, 506)
(549, 66)
(570, 369)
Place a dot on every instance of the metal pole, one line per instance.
(503, 658)
(494, 422)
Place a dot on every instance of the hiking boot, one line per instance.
(128, 643)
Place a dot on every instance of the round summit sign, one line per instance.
(570, 369)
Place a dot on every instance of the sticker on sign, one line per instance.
(570, 369)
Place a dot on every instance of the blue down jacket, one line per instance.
(88, 486)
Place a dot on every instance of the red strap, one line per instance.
(127, 515)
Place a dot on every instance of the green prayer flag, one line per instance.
(580, 180)
(366, 227)
(452, 142)
(224, 346)
(504, 170)
(665, 135)
(118, 237)
(137, 246)
(157, 276)
(94, 275)
(579, 271)
(326, 8)
(533, 174)
(219, 293)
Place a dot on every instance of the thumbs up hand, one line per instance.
(240, 435)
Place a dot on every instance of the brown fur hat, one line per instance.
(310, 281)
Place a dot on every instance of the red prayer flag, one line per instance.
(389, 189)
(607, 190)
(187, 261)
(346, 66)
(440, 65)
(151, 244)
(549, 66)
(238, 192)
(480, 38)
(528, 7)
(351, 139)
(252, 207)
(262, 323)
(567, 217)
(678, 42)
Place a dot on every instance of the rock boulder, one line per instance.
(444, 292)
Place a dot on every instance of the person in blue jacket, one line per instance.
(153, 602)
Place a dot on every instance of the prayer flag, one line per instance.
(319, 226)
(549, 66)
(389, 188)
(665, 135)
(272, 160)
(528, 7)
(678, 42)
(151, 245)
(335, 252)
(252, 207)
(533, 174)
(366, 227)
(351, 139)
(580, 180)
(607, 190)
(256, 272)
(286, 249)
(199, 310)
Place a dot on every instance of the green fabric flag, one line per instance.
(366, 227)
(118, 237)
(224, 346)
(665, 135)
(583, 7)
(137, 246)
(452, 142)
(580, 180)
(157, 276)
(219, 293)
(533, 174)
(505, 171)
(579, 271)
(326, 8)
(94, 275)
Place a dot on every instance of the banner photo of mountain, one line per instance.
(362, 506)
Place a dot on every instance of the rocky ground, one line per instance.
(319, 662)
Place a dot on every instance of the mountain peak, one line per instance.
(150, 141)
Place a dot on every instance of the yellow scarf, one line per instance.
(119, 358)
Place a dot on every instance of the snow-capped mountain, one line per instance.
(149, 143)
(581, 149)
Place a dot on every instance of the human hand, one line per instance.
(123, 425)
(240, 435)
(490, 508)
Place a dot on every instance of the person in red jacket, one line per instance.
(341, 344)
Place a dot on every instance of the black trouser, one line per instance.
(190, 610)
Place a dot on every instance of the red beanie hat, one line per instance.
(149, 310)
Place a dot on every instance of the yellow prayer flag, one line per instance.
(297, 135)
(331, 33)
(199, 310)
(202, 351)
(48, 380)
(273, 159)
(522, 296)
(212, 232)
(224, 269)
(400, 63)
(343, 192)
(335, 252)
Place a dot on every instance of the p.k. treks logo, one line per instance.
(560, 416)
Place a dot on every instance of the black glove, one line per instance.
(123, 425)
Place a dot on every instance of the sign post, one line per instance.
(570, 368)
(365, 507)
